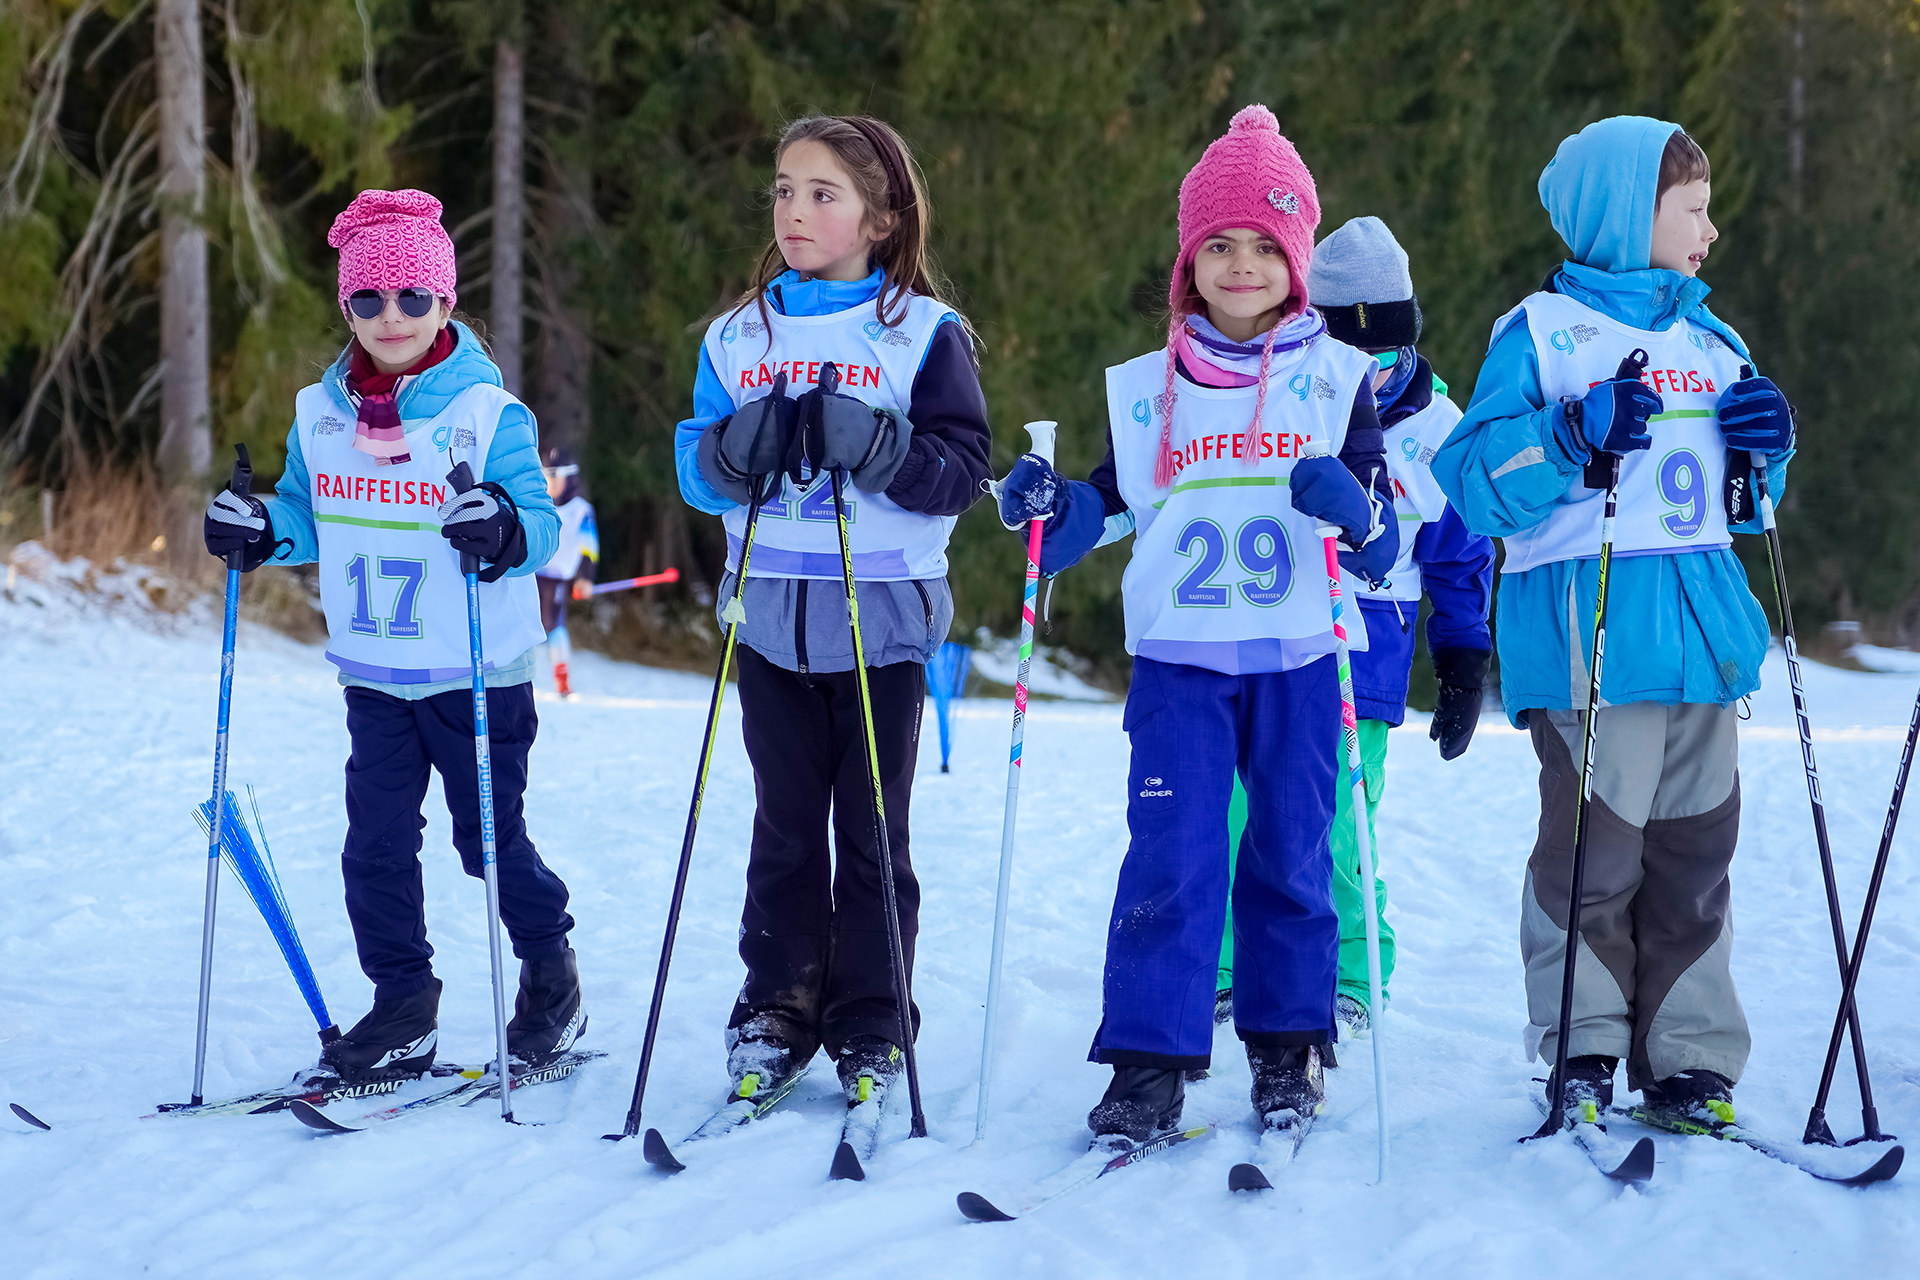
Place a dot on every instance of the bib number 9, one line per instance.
(402, 623)
(1683, 486)
(1260, 546)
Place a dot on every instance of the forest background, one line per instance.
(168, 170)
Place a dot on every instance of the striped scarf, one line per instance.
(378, 429)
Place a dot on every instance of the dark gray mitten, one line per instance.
(1463, 674)
(850, 434)
(750, 443)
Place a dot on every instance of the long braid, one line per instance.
(1163, 463)
(1250, 447)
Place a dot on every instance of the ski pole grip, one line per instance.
(1043, 433)
(461, 478)
(1758, 456)
(241, 481)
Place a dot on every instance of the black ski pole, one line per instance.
(734, 613)
(902, 991)
(1607, 465)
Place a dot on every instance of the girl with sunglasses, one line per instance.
(365, 493)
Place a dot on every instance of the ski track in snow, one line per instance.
(109, 719)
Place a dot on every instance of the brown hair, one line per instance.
(889, 183)
(1682, 162)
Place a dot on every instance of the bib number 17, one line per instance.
(1261, 548)
(402, 623)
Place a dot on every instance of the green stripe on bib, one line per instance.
(1222, 482)
(365, 523)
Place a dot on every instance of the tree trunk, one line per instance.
(563, 234)
(509, 205)
(186, 446)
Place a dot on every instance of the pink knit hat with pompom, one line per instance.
(393, 240)
(1254, 178)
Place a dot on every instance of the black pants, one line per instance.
(814, 932)
(395, 743)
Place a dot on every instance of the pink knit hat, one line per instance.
(393, 240)
(1250, 178)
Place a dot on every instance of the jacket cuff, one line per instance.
(1462, 668)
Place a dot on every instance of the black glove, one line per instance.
(750, 443)
(1463, 673)
(484, 522)
(237, 522)
(849, 434)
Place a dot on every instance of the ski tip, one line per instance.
(312, 1117)
(1637, 1169)
(658, 1153)
(38, 1123)
(846, 1165)
(978, 1208)
(1247, 1177)
(1882, 1170)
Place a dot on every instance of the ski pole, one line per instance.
(1042, 433)
(1632, 367)
(735, 613)
(239, 483)
(461, 478)
(644, 580)
(902, 990)
(1363, 835)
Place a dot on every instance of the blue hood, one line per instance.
(1600, 189)
(426, 394)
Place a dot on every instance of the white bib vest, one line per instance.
(1670, 494)
(798, 536)
(577, 536)
(1225, 573)
(1417, 500)
(390, 585)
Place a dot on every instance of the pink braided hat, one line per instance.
(393, 240)
(1254, 178)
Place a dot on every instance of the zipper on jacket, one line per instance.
(926, 603)
(800, 629)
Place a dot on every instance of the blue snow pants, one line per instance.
(1192, 728)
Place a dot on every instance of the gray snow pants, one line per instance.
(1653, 984)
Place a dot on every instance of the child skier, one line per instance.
(569, 574)
(1363, 290)
(1232, 636)
(1685, 635)
(846, 284)
(365, 494)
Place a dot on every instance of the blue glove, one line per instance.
(1033, 490)
(1754, 415)
(1326, 490)
(1613, 416)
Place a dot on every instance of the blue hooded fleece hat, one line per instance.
(1600, 189)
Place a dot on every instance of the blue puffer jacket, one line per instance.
(1680, 628)
(513, 462)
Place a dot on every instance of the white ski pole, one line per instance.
(1042, 433)
(1362, 834)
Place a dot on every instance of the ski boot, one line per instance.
(395, 1041)
(1699, 1095)
(868, 1067)
(1589, 1088)
(1289, 1085)
(1223, 1006)
(1141, 1103)
(760, 1058)
(1350, 1018)
(561, 685)
(546, 1012)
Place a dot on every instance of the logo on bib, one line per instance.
(752, 328)
(463, 438)
(729, 333)
(878, 332)
(329, 426)
(1141, 413)
(1409, 448)
(1706, 341)
(1564, 339)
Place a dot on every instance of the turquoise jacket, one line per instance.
(1680, 628)
(513, 462)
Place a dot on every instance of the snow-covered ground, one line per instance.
(108, 718)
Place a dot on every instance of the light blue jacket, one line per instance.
(513, 462)
(1680, 628)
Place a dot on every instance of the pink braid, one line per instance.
(1250, 447)
(1163, 464)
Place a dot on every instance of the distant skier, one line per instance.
(365, 494)
(1363, 290)
(1232, 635)
(569, 574)
(847, 278)
(1685, 637)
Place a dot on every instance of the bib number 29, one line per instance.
(1261, 548)
(401, 623)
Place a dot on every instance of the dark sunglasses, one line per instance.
(369, 304)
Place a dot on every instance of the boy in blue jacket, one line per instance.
(1686, 637)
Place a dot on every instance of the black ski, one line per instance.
(469, 1091)
(1881, 1170)
(859, 1139)
(28, 1116)
(1279, 1143)
(1635, 1171)
(1096, 1164)
(736, 1112)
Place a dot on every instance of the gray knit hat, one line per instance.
(1361, 286)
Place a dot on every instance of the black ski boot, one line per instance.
(868, 1067)
(1223, 1006)
(1699, 1094)
(546, 1012)
(395, 1041)
(1589, 1090)
(1288, 1083)
(760, 1057)
(1141, 1103)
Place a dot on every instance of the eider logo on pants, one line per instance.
(1148, 792)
